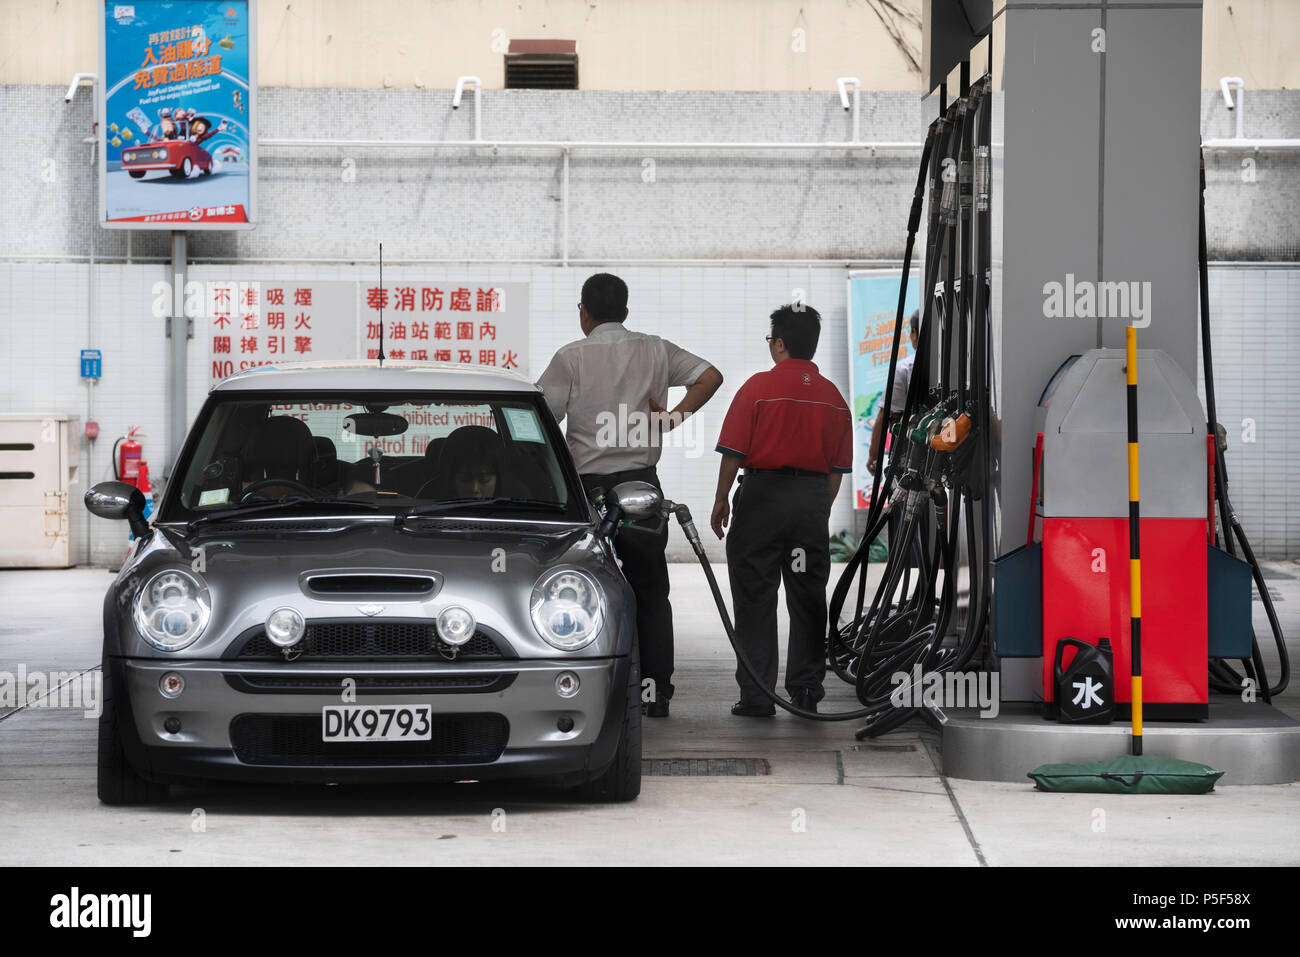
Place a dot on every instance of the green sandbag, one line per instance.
(1128, 774)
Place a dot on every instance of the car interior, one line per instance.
(257, 452)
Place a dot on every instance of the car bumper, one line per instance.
(497, 720)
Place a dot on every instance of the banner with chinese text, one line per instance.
(176, 110)
(258, 323)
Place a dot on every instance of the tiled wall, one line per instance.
(1255, 340)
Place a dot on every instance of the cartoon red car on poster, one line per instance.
(178, 157)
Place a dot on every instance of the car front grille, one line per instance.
(352, 640)
(295, 740)
(371, 684)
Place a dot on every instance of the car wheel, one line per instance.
(621, 781)
(118, 782)
(136, 173)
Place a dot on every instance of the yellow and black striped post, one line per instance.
(1134, 537)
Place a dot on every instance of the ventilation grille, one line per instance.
(370, 584)
(542, 65)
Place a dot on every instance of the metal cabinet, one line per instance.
(38, 470)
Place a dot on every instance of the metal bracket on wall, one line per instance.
(189, 327)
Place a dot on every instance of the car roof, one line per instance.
(356, 374)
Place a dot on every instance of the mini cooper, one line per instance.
(359, 573)
(179, 158)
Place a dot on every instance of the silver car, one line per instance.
(380, 574)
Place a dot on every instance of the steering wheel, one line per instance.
(267, 483)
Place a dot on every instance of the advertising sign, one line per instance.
(257, 323)
(873, 307)
(177, 109)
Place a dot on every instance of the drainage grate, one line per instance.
(706, 767)
(883, 747)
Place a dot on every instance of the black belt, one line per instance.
(789, 471)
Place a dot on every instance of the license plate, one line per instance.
(388, 722)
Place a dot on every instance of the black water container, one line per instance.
(1085, 691)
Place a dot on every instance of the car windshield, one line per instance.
(431, 454)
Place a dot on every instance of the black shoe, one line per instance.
(805, 699)
(658, 708)
(742, 710)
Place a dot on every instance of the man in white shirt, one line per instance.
(612, 387)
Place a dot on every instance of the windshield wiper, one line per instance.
(453, 504)
(255, 507)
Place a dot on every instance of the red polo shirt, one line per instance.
(789, 417)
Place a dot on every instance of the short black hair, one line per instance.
(605, 297)
(800, 326)
(915, 322)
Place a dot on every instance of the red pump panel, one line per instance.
(1086, 596)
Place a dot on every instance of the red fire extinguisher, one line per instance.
(126, 457)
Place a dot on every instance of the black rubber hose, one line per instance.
(1228, 515)
(929, 622)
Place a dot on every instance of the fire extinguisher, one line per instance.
(126, 457)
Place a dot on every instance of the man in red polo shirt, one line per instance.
(791, 430)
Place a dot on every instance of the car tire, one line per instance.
(621, 781)
(117, 782)
(136, 173)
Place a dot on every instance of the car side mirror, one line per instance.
(636, 499)
(118, 500)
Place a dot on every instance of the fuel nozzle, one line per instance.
(952, 433)
(982, 172)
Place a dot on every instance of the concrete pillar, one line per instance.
(1096, 182)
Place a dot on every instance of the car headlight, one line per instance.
(172, 609)
(568, 608)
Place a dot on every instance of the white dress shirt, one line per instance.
(603, 385)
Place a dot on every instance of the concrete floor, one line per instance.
(827, 800)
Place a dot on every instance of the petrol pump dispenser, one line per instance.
(1085, 525)
(1078, 574)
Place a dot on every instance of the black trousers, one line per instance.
(640, 552)
(779, 533)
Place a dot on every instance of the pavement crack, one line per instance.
(956, 806)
